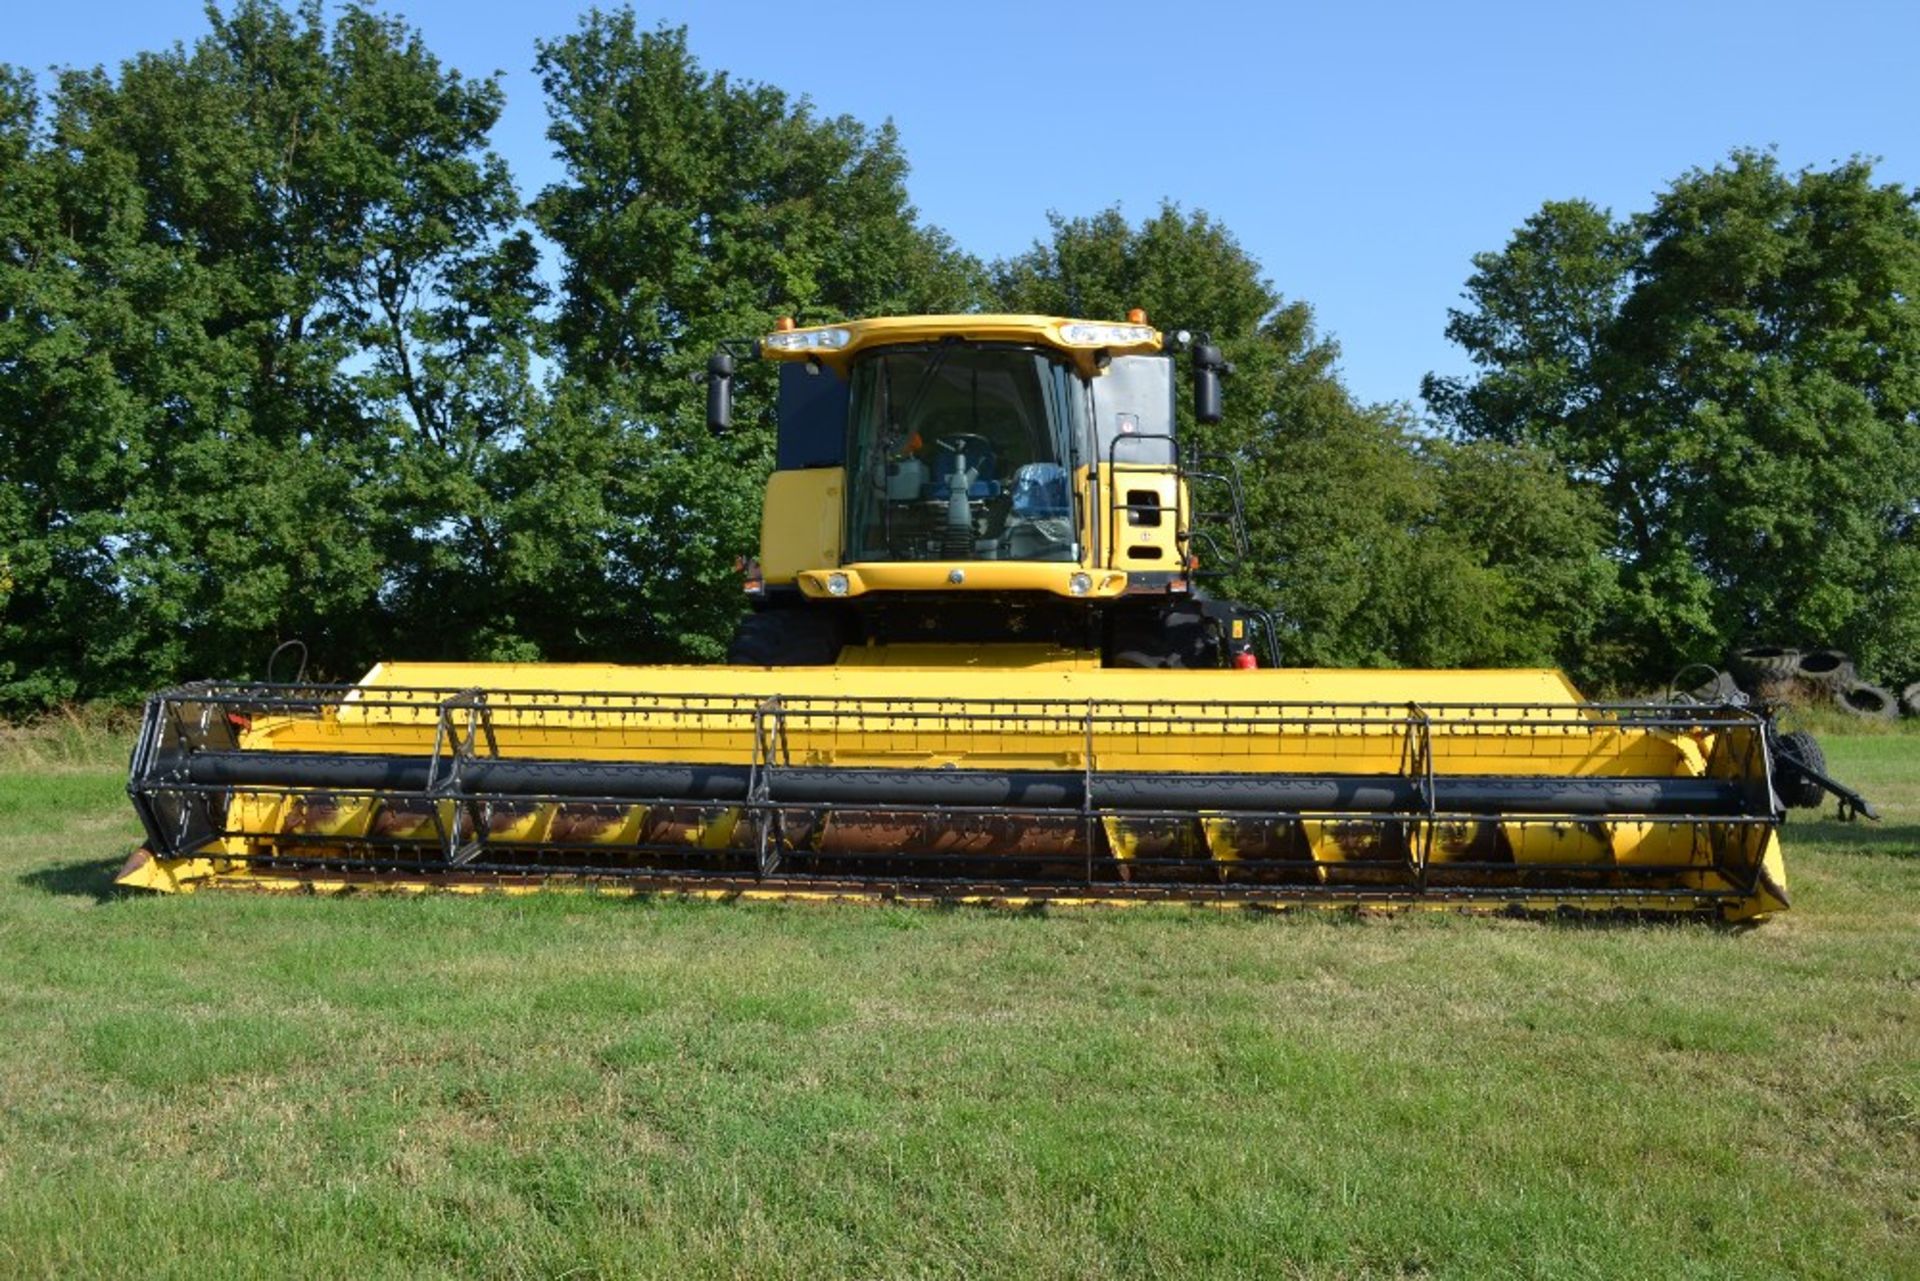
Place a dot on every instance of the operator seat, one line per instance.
(1040, 523)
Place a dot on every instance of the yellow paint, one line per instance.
(1040, 715)
(801, 521)
(1147, 542)
(974, 576)
(1308, 686)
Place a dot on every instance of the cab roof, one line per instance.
(837, 344)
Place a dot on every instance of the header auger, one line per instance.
(979, 665)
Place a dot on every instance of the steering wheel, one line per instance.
(963, 442)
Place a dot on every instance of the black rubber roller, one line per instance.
(1014, 790)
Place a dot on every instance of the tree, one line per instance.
(270, 326)
(1372, 544)
(1737, 372)
(48, 375)
(696, 208)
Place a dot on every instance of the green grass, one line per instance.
(567, 1086)
(85, 737)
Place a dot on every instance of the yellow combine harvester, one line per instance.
(977, 666)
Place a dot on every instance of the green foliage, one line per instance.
(276, 359)
(695, 209)
(268, 328)
(1392, 548)
(1374, 544)
(1737, 373)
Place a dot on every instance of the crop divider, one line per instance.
(769, 741)
(463, 723)
(1416, 759)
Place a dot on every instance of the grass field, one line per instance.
(565, 1086)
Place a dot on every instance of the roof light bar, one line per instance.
(1083, 334)
(807, 340)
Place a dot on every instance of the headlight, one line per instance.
(807, 340)
(1080, 334)
(1080, 584)
(836, 584)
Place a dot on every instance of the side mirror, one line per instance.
(1207, 368)
(719, 392)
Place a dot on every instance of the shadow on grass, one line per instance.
(1859, 836)
(90, 878)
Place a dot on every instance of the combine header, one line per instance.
(1251, 787)
(985, 673)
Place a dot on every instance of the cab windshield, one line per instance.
(963, 452)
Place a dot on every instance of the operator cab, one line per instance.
(963, 451)
(981, 479)
(1036, 444)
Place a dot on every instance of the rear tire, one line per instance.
(785, 638)
(1793, 786)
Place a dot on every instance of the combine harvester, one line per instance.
(977, 667)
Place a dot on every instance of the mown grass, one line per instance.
(569, 1086)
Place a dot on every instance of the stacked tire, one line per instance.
(1777, 674)
(1827, 669)
(1867, 700)
(1831, 676)
(1768, 672)
(1758, 664)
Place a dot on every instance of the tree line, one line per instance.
(279, 358)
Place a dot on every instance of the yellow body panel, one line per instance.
(1393, 686)
(1044, 712)
(972, 576)
(1143, 541)
(801, 521)
(1046, 715)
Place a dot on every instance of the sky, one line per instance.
(1362, 152)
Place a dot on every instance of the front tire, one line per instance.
(1170, 640)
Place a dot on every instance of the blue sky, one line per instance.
(1362, 152)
